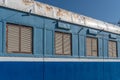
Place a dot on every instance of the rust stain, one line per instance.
(67, 13)
(48, 8)
(38, 4)
(76, 16)
(59, 12)
(64, 14)
(28, 2)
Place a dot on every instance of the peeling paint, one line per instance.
(58, 13)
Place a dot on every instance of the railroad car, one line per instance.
(43, 42)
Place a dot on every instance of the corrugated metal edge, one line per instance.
(58, 13)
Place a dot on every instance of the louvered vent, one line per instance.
(62, 43)
(58, 43)
(91, 47)
(19, 39)
(88, 49)
(12, 38)
(67, 44)
(112, 49)
(26, 39)
(94, 47)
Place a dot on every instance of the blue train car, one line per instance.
(42, 42)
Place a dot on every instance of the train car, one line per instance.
(43, 42)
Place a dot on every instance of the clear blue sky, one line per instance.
(106, 10)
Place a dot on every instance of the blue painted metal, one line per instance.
(82, 40)
(1, 37)
(113, 36)
(64, 25)
(21, 71)
(59, 70)
(75, 47)
(49, 42)
(43, 46)
(118, 47)
(38, 42)
(82, 71)
(91, 31)
(39, 23)
(4, 37)
(49, 26)
(82, 45)
(105, 46)
(100, 47)
(44, 39)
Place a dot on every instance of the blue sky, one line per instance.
(106, 10)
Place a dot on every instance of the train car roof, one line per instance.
(42, 9)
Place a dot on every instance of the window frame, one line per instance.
(91, 37)
(19, 52)
(70, 54)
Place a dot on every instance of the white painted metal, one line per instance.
(29, 59)
(57, 13)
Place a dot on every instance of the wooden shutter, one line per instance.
(88, 47)
(58, 43)
(12, 38)
(67, 44)
(26, 39)
(19, 39)
(112, 49)
(94, 47)
(62, 43)
(91, 47)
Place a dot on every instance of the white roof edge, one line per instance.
(58, 13)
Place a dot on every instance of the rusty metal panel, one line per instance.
(40, 9)
(78, 19)
(90, 22)
(23, 5)
(63, 15)
(101, 25)
(58, 13)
